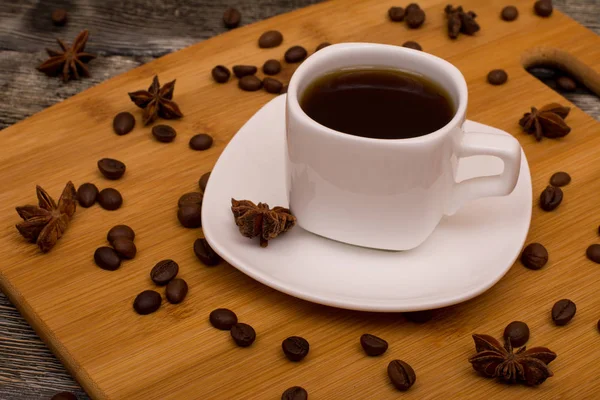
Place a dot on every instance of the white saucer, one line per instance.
(466, 255)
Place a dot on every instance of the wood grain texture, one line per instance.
(117, 354)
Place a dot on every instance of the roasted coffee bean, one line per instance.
(543, 8)
(412, 45)
(120, 231)
(419, 317)
(560, 179)
(107, 258)
(295, 348)
(59, 17)
(414, 18)
(551, 198)
(244, 70)
(401, 375)
(497, 77)
(250, 83)
(64, 396)
(190, 215)
(110, 199)
(593, 253)
(271, 67)
(272, 85)
(201, 141)
(220, 74)
(396, 14)
(124, 247)
(205, 253)
(243, 334)
(176, 291)
(123, 123)
(204, 181)
(87, 194)
(566, 84)
(373, 345)
(412, 7)
(295, 393)
(164, 133)
(111, 168)
(322, 46)
(194, 198)
(295, 54)
(509, 13)
(542, 72)
(147, 302)
(231, 18)
(270, 39)
(563, 311)
(534, 256)
(164, 271)
(517, 332)
(223, 319)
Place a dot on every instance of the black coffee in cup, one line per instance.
(378, 103)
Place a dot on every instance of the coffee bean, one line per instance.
(205, 253)
(563, 311)
(147, 302)
(517, 332)
(534, 256)
(124, 247)
(193, 198)
(107, 258)
(419, 317)
(270, 39)
(566, 84)
(543, 8)
(373, 345)
(284, 89)
(123, 123)
(551, 198)
(295, 54)
(120, 231)
(560, 179)
(412, 7)
(111, 168)
(542, 72)
(220, 74)
(164, 271)
(244, 70)
(593, 253)
(497, 77)
(231, 18)
(272, 85)
(271, 67)
(250, 83)
(64, 396)
(396, 14)
(322, 46)
(243, 334)
(223, 319)
(164, 133)
(295, 348)
(190, 215)
(414, 18)
(204, 181)
(295, 393)
(176, 291)
(87, 194)
(509, 13)
(412, 45)
(401, 375)
(201, 141)
(59, 17)
(110, 199)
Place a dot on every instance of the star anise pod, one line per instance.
(45, 223)
(71, 61)
(547, 121)
(258, 220)
(460, 21)
(157, 101)
(525, 366)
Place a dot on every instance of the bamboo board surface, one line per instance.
(85, 314)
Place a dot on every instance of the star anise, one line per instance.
(460, 21)
(258, 220)
(547, 121)
(525, 366)
(157, 101)
(45, 223)
(71, 61)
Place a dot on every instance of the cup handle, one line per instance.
(505, 147)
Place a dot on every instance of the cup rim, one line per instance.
(342, 49)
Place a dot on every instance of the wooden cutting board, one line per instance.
(85, 314)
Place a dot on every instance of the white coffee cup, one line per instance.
(385, 193)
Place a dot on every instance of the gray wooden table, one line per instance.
(126, 34)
